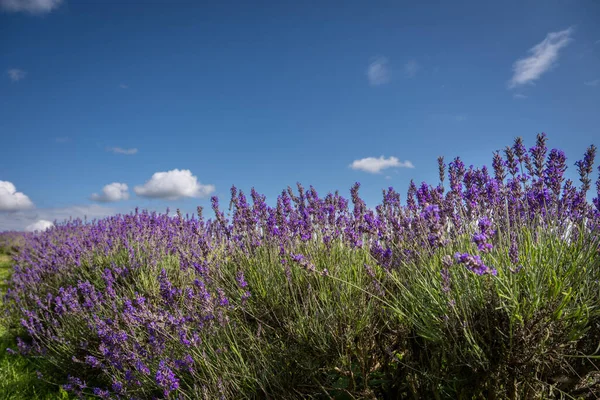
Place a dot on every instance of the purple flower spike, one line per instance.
(498, 164)
(474, 264)
(482, 238)
(166, 379)
(241, 280)
(555, 169)
(585, 168)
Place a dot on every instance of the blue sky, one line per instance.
(180, 100)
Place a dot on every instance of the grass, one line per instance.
(18, 377)
(5, 270)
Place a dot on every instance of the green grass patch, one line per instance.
(18, 375)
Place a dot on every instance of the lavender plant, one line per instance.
(487, 287)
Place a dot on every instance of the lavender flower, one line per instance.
(441, 169)
(511, 161)
(241, 280)
(513, 254)
(474, 264)
(456, 171)
(585, 168)
(498, 164)
(166, 379)
(485, 233)
(555, 169)
(445, 272)
(538, 154)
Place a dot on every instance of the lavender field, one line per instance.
(482, 285)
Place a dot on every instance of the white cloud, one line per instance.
(11, 200)
(112, 192)
(19, 220)
(378, 72)
(124, 86)
(519, 96)
(16, 74)
(411, 68)
(119, 150)
(595, 82)
(30, 6)
(62, 139)
(543, 57)
(39, 226)
(376, 165)
(173, 185)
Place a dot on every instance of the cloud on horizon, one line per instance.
(11, 200)
(30, 6)
(173, 185)
(39, 226)
(544, 56)
(119, 150)
(112, 192)
(376, 165)
(20, 220)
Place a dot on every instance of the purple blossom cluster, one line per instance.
(474, 264)
(483, 237)
(148, 291)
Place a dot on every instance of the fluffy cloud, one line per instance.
(112, 192)
(376, 165)
(16, 74)
(39, 226)
(378, 72)
(543, 56)
(30, 6)
(173, 185)
(11, 200)
(119, 150)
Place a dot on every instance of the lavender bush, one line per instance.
(484, 286)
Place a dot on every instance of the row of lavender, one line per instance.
(146, 292)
